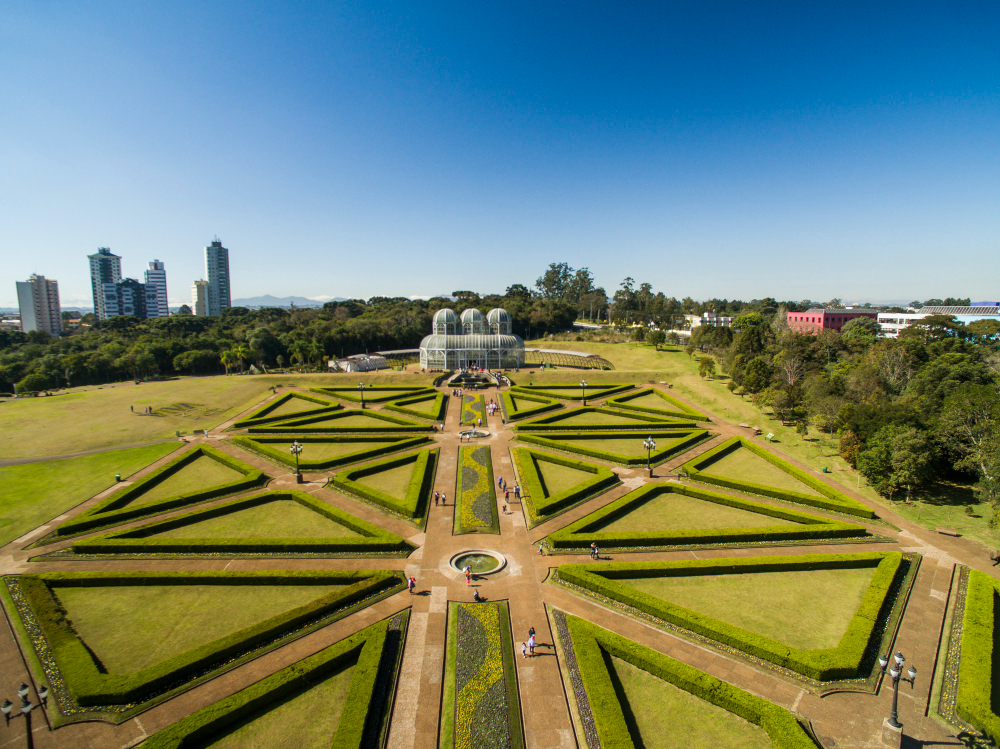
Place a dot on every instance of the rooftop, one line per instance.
(984, 311)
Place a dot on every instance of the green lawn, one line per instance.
(308, 720)
(282, 518)
(743, 465)
(557, 478)
(35, 493)
(201, 473)
(393, 481)
(620, 445)
(667, 717)
(671, 512)
(130, 627)
(592, 418)
(293, 406)
(326, 450)
(803, 609)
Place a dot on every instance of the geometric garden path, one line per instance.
(841, 720)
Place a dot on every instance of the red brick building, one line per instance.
(815, 320)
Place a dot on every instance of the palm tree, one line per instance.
(240, 352)
(227, 358)
(299, 351)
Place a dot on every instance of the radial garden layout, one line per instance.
(251, 588)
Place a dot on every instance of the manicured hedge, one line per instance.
(261, 415)
(591, 643)
(516, 414)
(977, 683)
(831, 500)
(585, 531)
(85, 678)
(672, 406)
(139, 541)
(571, 392)
(261, 445)
(435, 412)
(631, 421)
(554, 441)
(540, 503)
(363, 649)
(842, 662)
(414, 505)
(375, 393)
(302, 426)
(115, 509)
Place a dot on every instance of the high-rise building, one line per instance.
(199, 298)
(217, 269)
(156, 290)
(38, 298)
(105, 273)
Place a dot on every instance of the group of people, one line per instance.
(505, 488)
(528, 647)
(595, 551)
(440, 496)
(492, 406)
(145, 410)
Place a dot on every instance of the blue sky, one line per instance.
(710, 148)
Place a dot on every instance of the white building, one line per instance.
(199, 298)
(217, 270)
(894, 322)
(38, 299)
(105, 273)
(471, 341)
(710, 319)
(156, 290)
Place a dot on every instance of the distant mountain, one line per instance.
(285, 301)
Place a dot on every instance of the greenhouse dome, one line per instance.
(486, 343)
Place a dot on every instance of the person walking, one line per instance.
(500, 482)
(593, 550)
(444, 498)
(132, 409)
(531, 645)
(411, 583)
(436, 497)
(531, 632)
(524, 650)
(468, 574)
(517, 491)
(506, 496)
(476, 597)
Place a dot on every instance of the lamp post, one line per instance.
(650, 445)
(361, 387)
(583, 388)
(295, 449)
(896, 674)
(26, 705)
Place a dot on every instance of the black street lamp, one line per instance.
(896, 674)
(295, 449)
(26, 705)
(650, 445)
(361, 387)
(583, 387)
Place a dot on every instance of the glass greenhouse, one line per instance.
(470, 341)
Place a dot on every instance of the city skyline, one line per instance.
(827, 152)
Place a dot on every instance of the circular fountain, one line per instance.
(481, 561)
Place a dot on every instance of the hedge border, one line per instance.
(590, 643)
(437, 413)
(260, 416)
(834, 500)
(351, 393)
(683, 410)
(976, 680)
(533, 487)
(367, 650)
(575, 392)
(577, 536)
(137, 541)
(660, 455)
(458, 528)
(260, 446)
(88, 686)
(301, 426)
(114, 510)
(417, 501)
(514, 414)
(643, 422)
(843, 662)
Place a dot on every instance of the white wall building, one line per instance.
(199, 298)
(105, 272)
(38, 300)
(156, 290)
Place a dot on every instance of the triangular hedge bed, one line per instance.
(328, 424)
(374, 654)
(670, 406)
(375, 393)
(413, 506)
(432, 405)
(534, 405)
(68, 658)
(116, 509)
(597, 418)
(670, 442)
(842, 662)
(977, 680)
(266, 413)
(142, 540)
(594, 647)
(831, 499)
(572, 392)
(367, 447)
(587, 530)
(543, 502)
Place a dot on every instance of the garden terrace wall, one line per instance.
(831, 499)
(580, 535)
(115, 510)
(631, 422)
(375, 393)
(389, 425)
(90, 686)
(551, 440)
(436, 412)
(977, 680)
(675, 407)
(541, 507)
(842, 662)
(261, 446)
(260, 416)
(414, 504)
(572, 392)
(512, 414)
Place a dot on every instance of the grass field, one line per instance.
(672, 512)
(619, 445)
(201, 473)
(130, 627)
(393, 481)
(557, 478)
(34, 493)
(281, 518)
(743, 465)
(591, 418)
(667, 717)
(803, 609)
(292, 407)
(326, 450)
(308, 720)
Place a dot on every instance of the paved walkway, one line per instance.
(842, 720)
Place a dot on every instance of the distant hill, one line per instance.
(284, 301)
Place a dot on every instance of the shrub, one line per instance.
(302, 426)
(516, 414)
(414, 504)
(262, 415)
(375, 393)
(262, 445)
(540, 502)
(571, 392)
(631, 421)
(435, 411)
(672, 406)
(976, 680)
(554, 441)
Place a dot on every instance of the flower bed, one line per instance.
(476, 507)
(473, 410)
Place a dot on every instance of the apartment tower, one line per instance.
(156, 290)
(38, 298)
(199, 298)
(105, 273)
(217, 269)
